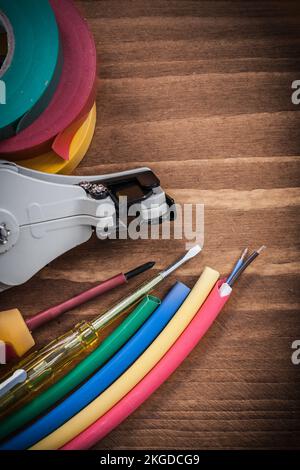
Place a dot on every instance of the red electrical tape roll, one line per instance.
(74, 96)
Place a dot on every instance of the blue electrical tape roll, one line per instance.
(105, 376)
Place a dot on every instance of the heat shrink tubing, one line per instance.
(106, 375)
(83, 370)
(138, 369)
(158, 375)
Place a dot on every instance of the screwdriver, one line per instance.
(45, 365)
(15, 330)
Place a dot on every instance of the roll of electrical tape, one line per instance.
(32, 66)
(52, 163)
(74, 96)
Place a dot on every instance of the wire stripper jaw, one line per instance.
(43, 215)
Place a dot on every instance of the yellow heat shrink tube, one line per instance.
(106, 400)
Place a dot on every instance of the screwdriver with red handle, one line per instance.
(11, 319)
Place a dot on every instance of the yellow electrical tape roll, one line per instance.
(138, 370)
(52, 163)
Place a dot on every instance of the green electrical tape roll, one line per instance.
(83, 370)
(32, 67)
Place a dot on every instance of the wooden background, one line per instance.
(200, 91)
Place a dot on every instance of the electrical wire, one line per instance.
(165, 367)
(158, 374)
(139, 369)
(237, 265)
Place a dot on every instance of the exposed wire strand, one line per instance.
(245, 265)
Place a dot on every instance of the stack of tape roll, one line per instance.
(48, 66)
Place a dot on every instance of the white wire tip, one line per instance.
(262, 248)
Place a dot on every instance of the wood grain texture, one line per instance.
(200, 91)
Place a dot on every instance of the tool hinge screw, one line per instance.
(95, 190)
(4, 234)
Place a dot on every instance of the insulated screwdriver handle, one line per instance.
(45, 316)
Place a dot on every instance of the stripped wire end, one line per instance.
(262, 248)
